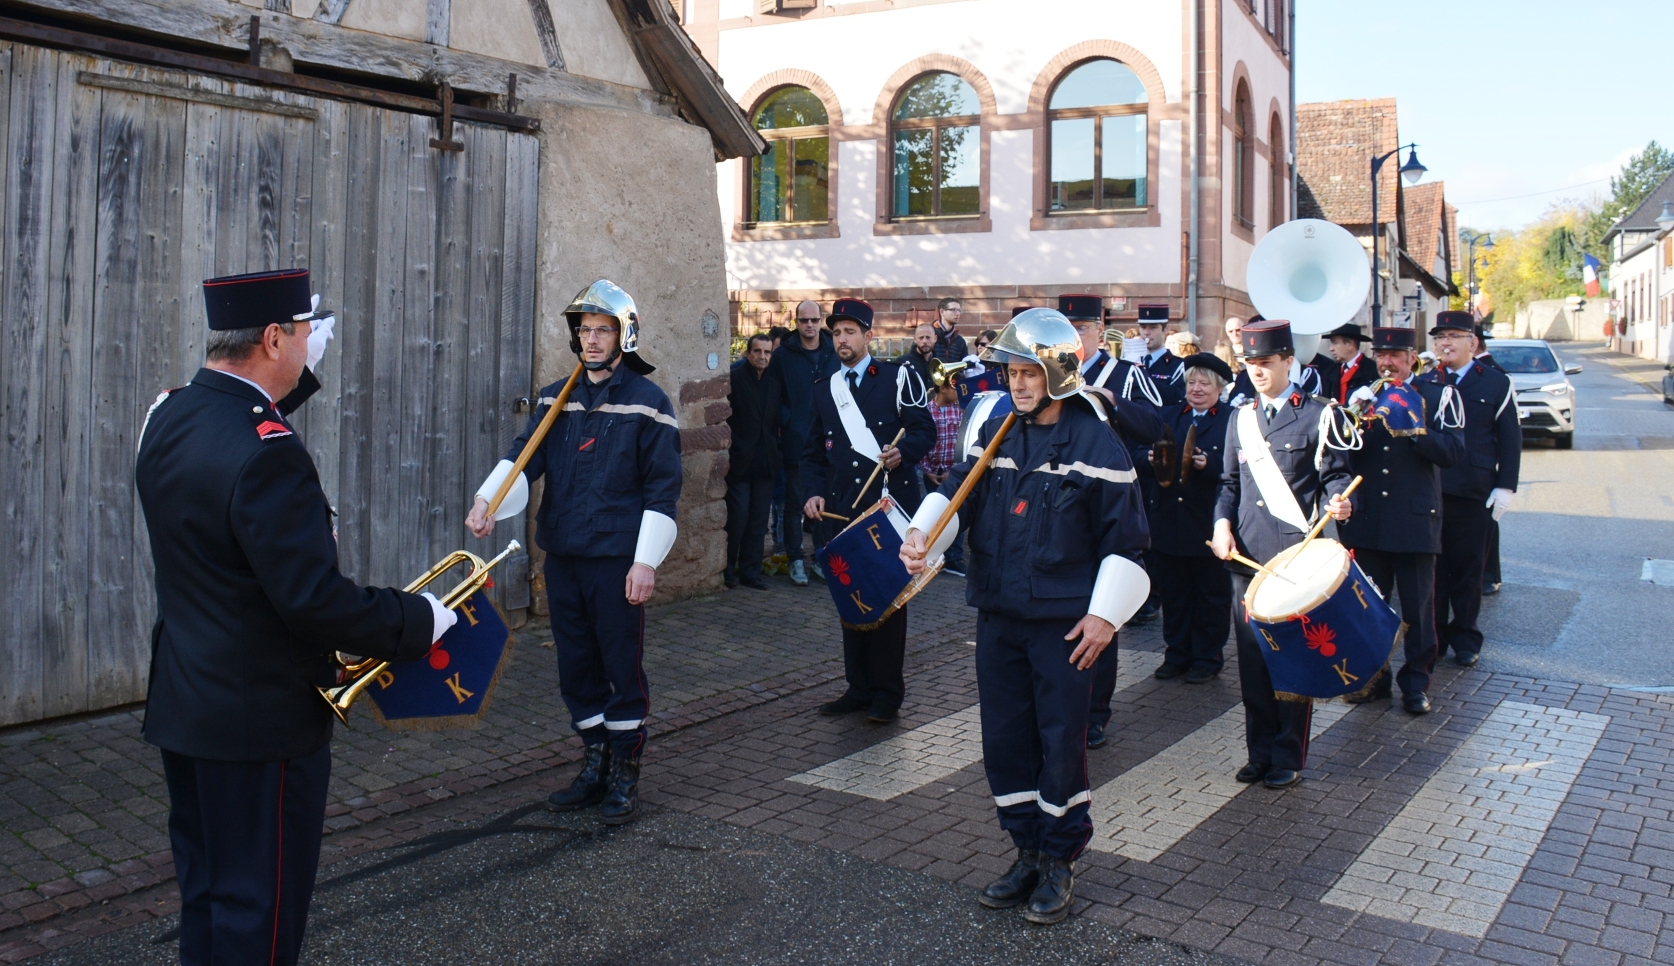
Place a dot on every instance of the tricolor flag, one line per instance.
(1589, 274)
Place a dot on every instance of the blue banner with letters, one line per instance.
(992, 379)
(863, 568)
(450, 685)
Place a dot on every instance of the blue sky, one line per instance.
(1506, 98)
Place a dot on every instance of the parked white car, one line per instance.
(1545, 397)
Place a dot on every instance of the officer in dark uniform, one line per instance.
(606, 522)
(1477, 489)
(1261, 513)
(1195, 588)
(858, 411)
(1161, 365)
(1347, 368)
(1491, 566)
(1056, 524)
(250, 606)
(1397, 525)
(1134, 403)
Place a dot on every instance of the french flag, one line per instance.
(1589, 274)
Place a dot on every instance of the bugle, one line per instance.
(943, 373)
(358, 675)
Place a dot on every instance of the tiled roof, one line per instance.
(1336, 142)
(1644, 217)
(1424, 222)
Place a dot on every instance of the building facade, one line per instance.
(1642, 277)
(1001, 152)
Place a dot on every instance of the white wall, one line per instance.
(1246, 42)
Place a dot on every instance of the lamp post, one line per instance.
(1412, 171)
(1471, 242)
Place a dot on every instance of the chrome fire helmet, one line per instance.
(605, 297)
(1045, 338)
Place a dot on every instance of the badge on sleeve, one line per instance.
(272, 430)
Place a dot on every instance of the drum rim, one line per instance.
(1336, 585)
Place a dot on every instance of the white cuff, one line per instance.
(656, 538)
(1119, 591)
(925, 519)
(440, 618)
(516, 500)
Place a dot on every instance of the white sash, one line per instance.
(1270, 482)
(861, 439)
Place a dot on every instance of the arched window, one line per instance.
(1278, 211)
(791, 182)
(936, 136)
(1243, 158)
(1098, 139)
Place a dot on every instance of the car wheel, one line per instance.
(1564, 441)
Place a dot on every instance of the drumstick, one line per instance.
(832, 516)
(1324, 517)
(1246, 561)
(971, 478)
(534, 443)
(876, 470)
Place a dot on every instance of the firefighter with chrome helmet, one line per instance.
(1056, 524)
(606, 522)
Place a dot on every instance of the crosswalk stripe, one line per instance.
(1450, 859)
(913, 759)
(1149, 808)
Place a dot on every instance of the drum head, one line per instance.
(1297, 585)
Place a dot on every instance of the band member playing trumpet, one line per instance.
(250, 607)
(606, 521)
(1278, 476)
(1056, 525)
(868, 416)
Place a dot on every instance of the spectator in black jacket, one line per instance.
(923, 350)
(757, 399)
(802, 359)
(949, 345)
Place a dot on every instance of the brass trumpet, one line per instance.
(942, 373)
(358, 675)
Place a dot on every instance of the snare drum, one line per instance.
(1322, 625)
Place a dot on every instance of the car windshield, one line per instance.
(1526, 358)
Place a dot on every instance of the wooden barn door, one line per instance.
(125, 187)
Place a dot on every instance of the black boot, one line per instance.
(589, 786)
(1013, 887)
(621, 803)
(1052, 898)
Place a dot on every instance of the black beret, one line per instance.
(1206, 360)
(257, 300)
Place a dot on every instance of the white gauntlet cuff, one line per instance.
(516, 500)
(1119, 591)
(925, 520)
(656, 539)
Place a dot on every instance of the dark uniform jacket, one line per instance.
(605, 464)
(1314, 476)
(1052, 505)
(1182, 518)
(1168, 374)
(1136, 419)
(1364, 373)
(832, 469)
(1398, 508)
(801, 368)
(250, 602)
(757, 411)
(1493, 438)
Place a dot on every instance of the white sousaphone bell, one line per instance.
(1311, 272)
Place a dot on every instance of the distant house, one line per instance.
(1642, 277)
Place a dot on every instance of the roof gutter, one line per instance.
(1196, 151)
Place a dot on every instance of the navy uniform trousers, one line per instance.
(874, 663)
(1466, 523)
(1104, 685)
(1275, 731)
(1413, 576)
(1196, 605)
(600, 639)
(246, 842)
(1034, 731)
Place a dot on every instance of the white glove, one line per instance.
(440, 618)
(1363, 394)
(1238, 400)
(1499, 501)
(318, 338)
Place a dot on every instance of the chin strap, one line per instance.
(615, 354)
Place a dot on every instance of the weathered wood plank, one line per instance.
(25, 692)
(517, 312)
(437, 18)
(331, 11)
(547, 33)
(203, 93)
(417, 351)
(359, 325)
(444, 467)
(329, 199)
(481, 393)
(390, 421)
(268, 192)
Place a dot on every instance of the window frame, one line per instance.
(743, 228)
(936, 125)
(1243, 157)
(1043, 217)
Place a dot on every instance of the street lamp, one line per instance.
(1471, 242)
(1665, 220)
(1411, 171)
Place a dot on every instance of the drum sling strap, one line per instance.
(1269, 480)
(861, 439)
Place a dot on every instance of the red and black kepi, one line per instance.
(1081, 308)
(1268, 337)
(1394, 338)
(258, 300)
(855, 310)
(1453, 320)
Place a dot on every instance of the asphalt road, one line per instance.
(673, 888)
(1573, 545)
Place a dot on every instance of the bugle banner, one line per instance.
(450, 686)
(863, 567)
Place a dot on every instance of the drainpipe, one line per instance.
(1290, 36)
(1196, 149)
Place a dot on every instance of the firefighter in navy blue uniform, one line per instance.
(1161, 365)
(1396, 532)
(1476, 490)
(250, 606)
(1056, 526)
(1134, 403)
(606, 522)
(858, 411)
(1265, 506)
(1194, 587)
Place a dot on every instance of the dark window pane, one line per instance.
(1098, 83)
(937, 95)
(1072, 165)
(813, 184)
(914, 173)
(768, 181)
(961, 170)
(790, 107)
(1124, 161)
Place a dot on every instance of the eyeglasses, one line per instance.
(588, 332)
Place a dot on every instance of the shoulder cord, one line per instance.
(1451, 413)
(1146, 387)
(1342, 434)
(909, 389)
